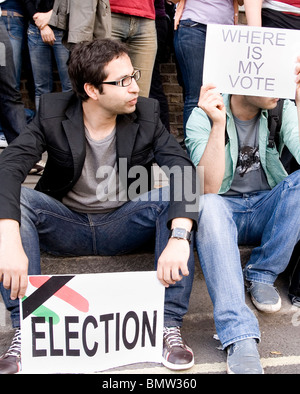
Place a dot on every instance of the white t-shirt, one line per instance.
(209, 11)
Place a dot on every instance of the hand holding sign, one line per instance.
(211, 102)
(254, 61)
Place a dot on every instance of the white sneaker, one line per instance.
(3, 142)
(38, 168)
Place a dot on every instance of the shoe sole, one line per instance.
(230, 372)
(177, 367)
(265, 307)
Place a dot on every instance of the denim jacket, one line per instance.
(198, 131)
(82, 20)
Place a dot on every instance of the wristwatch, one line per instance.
(180, 233)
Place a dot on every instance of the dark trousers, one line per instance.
(157, 90)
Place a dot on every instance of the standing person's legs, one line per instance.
(61, 54)
(140, 36)
(157, 90)
(12, 114)
(41, 63)
(189, 44)
(16, 28)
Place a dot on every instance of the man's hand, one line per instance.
(173, 261)
(211, 102)
(48, 35)
(13, 260)
(42, 19)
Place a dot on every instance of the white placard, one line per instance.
(92, 323)
(251, 60)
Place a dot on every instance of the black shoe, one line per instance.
(10, 362)
(176, 354)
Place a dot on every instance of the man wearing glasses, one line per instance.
(99, 139)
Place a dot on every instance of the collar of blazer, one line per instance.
(126, 131)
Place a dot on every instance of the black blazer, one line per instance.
(58, 129)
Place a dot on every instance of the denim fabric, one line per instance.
(16, 28)
(270, 219)
(189, 44)
(12, 114)
(139, 34)
(41, 62)
(48, 224)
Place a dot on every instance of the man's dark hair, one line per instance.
(87, 63)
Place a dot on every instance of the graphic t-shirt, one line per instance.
(249, 175)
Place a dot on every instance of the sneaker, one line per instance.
(176, 354)
(243, 358)
(38, 168)
(10, 362)
(265, 297)
(295, 300)
(3, 142)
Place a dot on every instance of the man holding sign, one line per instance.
(92, 199)
(249, 199)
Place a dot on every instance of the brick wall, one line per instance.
(173, 91)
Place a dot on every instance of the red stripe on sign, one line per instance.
(65, 293)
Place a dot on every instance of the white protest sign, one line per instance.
(251, 60)
(90, 323)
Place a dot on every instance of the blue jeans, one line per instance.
(49, 225)
(269, 219)
(12, 114)
(41, 62)
(16, 28)
(189, 44)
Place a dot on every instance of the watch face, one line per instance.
(179, 232)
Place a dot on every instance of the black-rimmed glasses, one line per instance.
(126, 81)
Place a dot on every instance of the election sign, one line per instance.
(252, 61)
(91, 323)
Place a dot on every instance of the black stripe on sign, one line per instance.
(43, 293)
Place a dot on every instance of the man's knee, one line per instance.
(213, 210)
(27, 195)
(293, 180)
(212, 204)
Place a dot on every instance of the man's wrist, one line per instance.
(180, 234)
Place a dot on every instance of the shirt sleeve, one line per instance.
(289, 134)
(197, 134)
